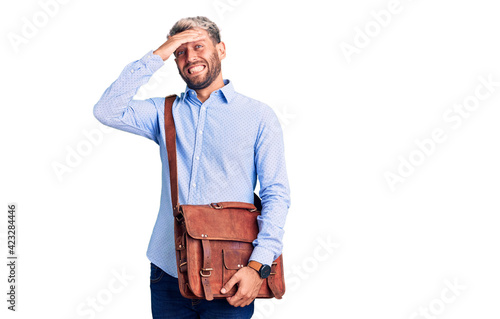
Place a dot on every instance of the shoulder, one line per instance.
(159, 102)
(252, 104)
(264, 116)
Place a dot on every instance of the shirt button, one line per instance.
(194, 184)
(200, 132)
(132, 71)
(197, 157)
(203, 108)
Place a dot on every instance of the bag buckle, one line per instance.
(216, 205)
(179, 216)
(273, 264)
(206, 269)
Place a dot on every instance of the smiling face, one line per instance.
(199, 62)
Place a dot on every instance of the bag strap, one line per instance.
(170, 136)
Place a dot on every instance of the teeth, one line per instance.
(196, 69)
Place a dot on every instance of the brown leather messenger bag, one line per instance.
(213, 241)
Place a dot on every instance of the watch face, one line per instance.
(265, 271)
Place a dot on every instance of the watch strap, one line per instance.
(255, 265)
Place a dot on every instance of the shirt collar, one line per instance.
(227, 92)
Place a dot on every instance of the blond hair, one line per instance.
(197, 22)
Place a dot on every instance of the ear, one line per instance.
(221, 50)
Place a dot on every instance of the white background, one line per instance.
(346, 124)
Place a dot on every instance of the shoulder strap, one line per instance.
(171, 152)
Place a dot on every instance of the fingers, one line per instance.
(240, 301)
(190, 35)
(175, 41)
(241, 298)
(229, 284)
(248, 287)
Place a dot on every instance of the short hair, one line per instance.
(197, 22)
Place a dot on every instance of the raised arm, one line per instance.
(118, 109)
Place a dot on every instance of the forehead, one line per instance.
(207, 39)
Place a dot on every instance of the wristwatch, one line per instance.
(263, 270)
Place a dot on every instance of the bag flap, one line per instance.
(235, 259)
(206, 222)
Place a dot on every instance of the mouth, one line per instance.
(195, 69)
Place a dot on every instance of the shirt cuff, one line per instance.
(262, 255)
(152, 61)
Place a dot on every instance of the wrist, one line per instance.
(262, 270)
(161, 54)
(167, 48)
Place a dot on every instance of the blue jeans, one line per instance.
(167, 301)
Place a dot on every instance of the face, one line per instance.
(199, 62)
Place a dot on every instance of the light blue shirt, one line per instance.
(223, 145)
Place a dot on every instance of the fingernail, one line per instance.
(223, 290)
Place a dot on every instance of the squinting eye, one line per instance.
(199, 46)
(180, 52)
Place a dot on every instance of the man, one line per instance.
(225, 140)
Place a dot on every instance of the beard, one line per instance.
(200, 82)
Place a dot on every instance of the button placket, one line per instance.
(197, 153)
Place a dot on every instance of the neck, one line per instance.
(204, 94)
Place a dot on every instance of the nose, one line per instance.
(191, 56)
